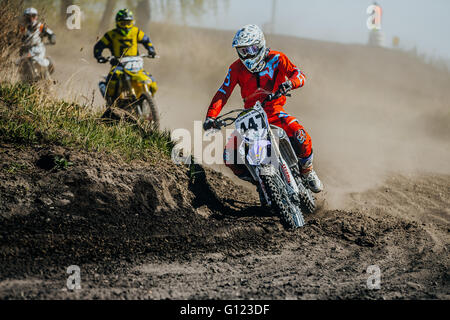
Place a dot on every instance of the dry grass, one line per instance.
(10, 11)
(28, 116)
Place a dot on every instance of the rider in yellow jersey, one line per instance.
(122, 42)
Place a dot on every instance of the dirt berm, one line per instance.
(141, 231)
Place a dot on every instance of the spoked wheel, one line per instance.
(289, 212)
(306, 197)
(148, 109)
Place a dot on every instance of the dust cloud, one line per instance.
(371, 112)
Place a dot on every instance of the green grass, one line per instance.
(29, 117)
(14, 167)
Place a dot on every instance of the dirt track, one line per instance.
(142, 232)
(138, 232)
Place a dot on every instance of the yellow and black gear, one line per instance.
(122, 42)
(124, 21)
(122, 45)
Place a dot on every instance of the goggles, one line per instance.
(126, 24)
(248, 51)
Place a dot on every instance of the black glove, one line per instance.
(114, 61)
(102, 60)
(151, 52)
(285, 87)
(208, 124)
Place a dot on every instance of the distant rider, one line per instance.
(32, 32)
(257, 71)
(123, 42)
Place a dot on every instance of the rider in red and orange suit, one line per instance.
(260, 71)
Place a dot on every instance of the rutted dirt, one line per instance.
(140, 231)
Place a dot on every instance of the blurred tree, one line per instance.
(145, 10)
(143, 14)
(195, 8)
(63, 11)
(107, 16)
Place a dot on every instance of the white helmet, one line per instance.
(29, 14)
(250, 45)
(30, 11)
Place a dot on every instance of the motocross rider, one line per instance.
(259, 71)
(122, 42)
(33, 32)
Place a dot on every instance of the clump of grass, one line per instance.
(62, 163)
(14, 167)
(28, 116)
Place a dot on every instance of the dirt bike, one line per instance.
(267, 153)
(30, 70)
(129, 88)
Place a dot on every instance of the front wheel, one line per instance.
(307, 200)
(148, 108)
(290, 214)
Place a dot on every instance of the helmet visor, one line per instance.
(30, 17)
(126, 24)
(248, 51)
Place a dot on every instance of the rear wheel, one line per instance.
(290, 214)
(149, 109)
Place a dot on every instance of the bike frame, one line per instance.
(259, 163)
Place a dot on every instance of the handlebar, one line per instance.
(275, 95)
(220, 121)
(112, 59)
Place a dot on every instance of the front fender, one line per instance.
(141, 76)
(258, 153)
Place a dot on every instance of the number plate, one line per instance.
(133, 64)
(250, 120)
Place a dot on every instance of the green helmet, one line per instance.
(124, 20)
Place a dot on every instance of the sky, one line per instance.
(424, 24)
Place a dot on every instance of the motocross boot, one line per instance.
(102, 87)
(309, 175)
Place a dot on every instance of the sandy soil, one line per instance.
(379, 121)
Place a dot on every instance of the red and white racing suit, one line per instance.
(255, 87)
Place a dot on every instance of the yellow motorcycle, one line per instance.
(130, 88)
